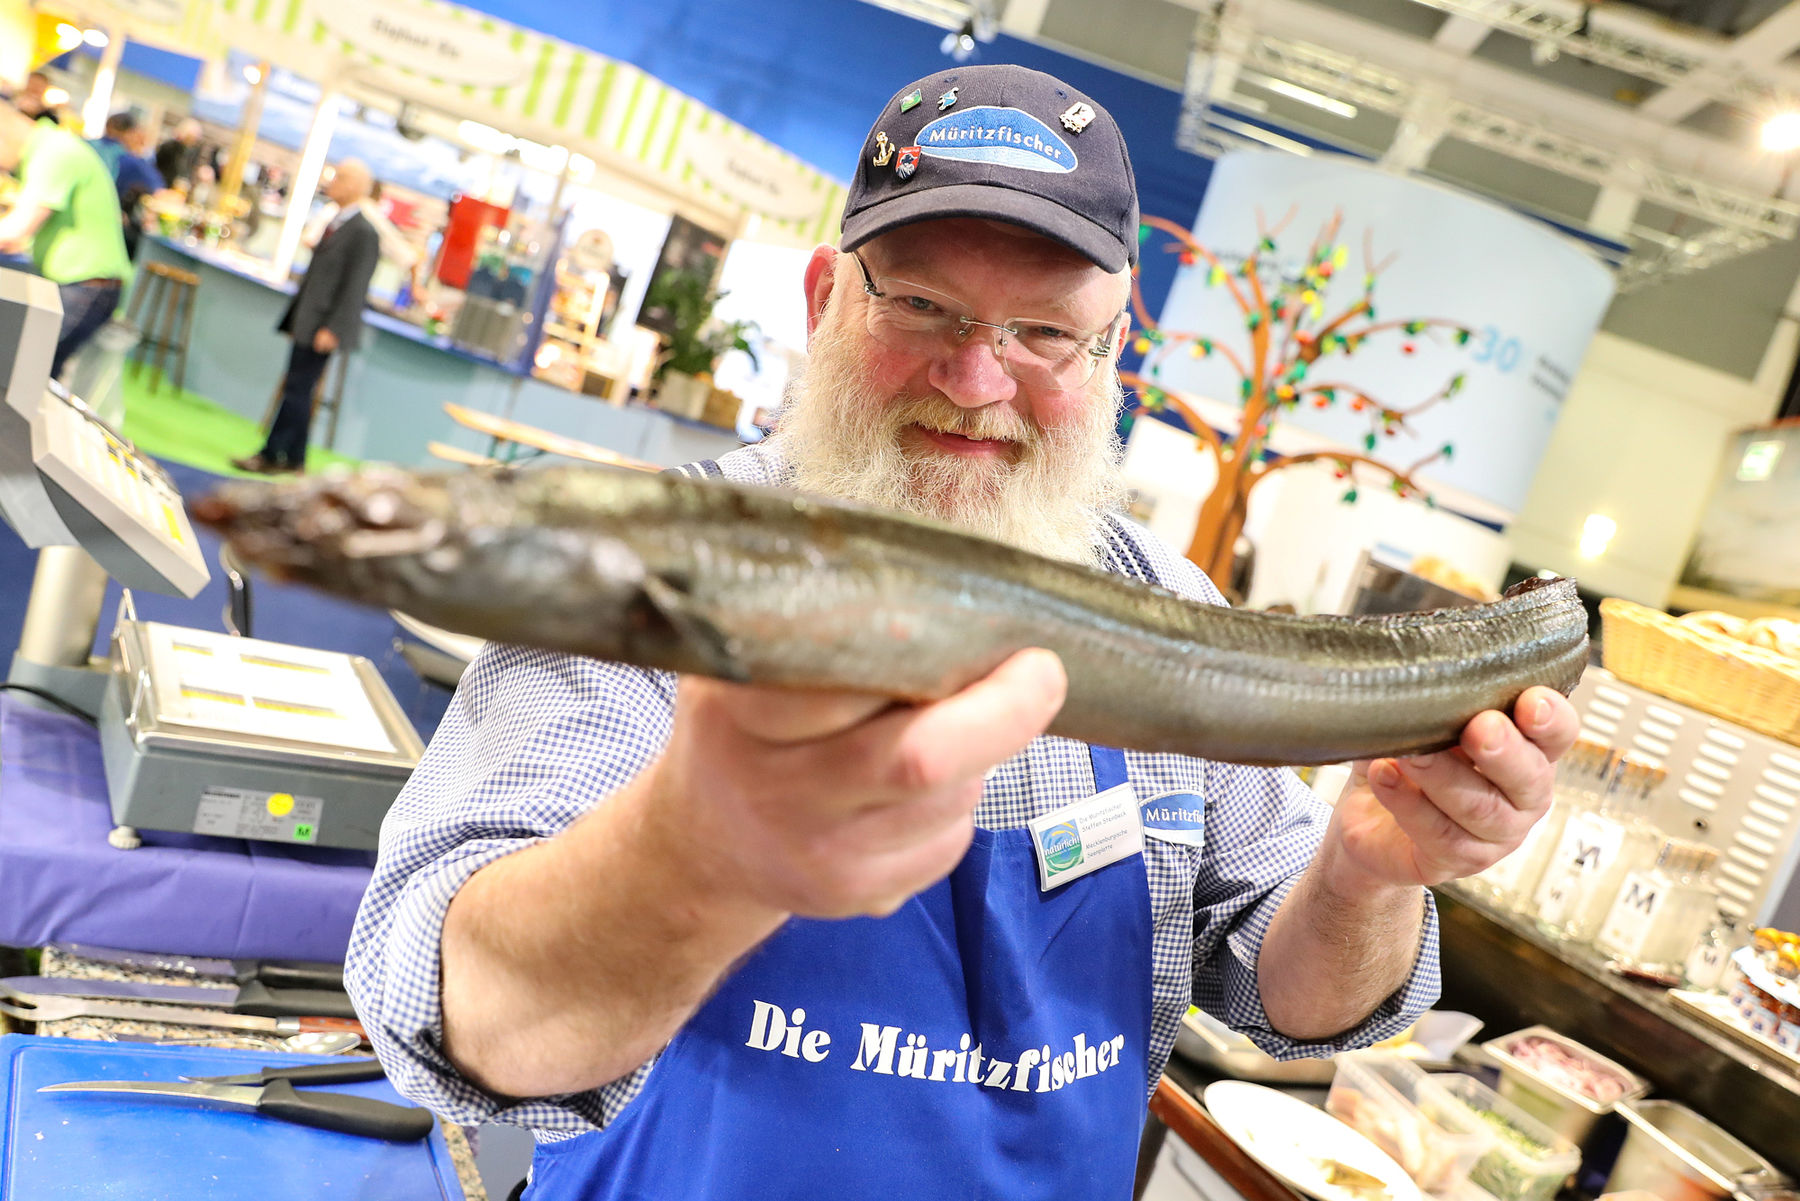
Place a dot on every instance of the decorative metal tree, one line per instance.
(1288, 332)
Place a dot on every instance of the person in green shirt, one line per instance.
(66, 215)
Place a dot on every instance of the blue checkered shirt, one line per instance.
(534, 739)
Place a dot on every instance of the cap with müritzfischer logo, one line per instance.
(1002, 142)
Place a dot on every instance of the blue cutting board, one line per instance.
(73, 1146)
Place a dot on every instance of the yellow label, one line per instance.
(174, 526)
(280, 804)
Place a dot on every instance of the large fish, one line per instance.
(765, 586)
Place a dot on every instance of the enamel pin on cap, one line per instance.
(913, 99)
(1077, 116)
(884, 150)
(946, 100)
(909, 162)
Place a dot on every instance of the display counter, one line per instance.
(1503, 971)
(397, 382)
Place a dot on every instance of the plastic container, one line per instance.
(1526, 1161)
(1549, 1094)
(1678, 1155)
(1393, 1104)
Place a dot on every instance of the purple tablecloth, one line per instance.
(185, 894)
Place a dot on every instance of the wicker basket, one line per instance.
(1745, 684)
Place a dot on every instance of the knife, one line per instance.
(40, 1008)
(343, 1072)
(253, 997)
(275, 972)
(278, 1099)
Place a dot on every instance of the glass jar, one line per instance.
(1580, 783)
(1597, 850)
(1704, 970)
(1660, 910)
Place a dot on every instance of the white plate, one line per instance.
(1289, 1137)
(457, 646)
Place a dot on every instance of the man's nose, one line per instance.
(972, 375)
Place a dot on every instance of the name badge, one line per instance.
(1176, 817)
(1077, 839)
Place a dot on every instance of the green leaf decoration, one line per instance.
(1448, 451)
(1155, 336)
(1253, 320)
(1430, 501)
(1349, 496)
(1462, 337)
(1297, 372)
(1368, 441)
(1245, 388)
(1143, 233)
(1455, 386)
(1268, 244)
(1216, 276)
(1206, 346)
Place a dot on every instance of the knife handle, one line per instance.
(345, 1112)
(347, 1072)
(285, 973)
(258, 998)
(310, 1025)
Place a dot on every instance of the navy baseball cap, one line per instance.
(1002, 142)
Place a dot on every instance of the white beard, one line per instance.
(843, 439)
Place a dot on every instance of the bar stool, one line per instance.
(165, 295)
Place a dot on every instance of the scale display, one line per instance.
(66, 478)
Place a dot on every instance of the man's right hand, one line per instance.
(570, 962)
(839, 804)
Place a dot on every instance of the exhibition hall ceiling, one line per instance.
(1640, 124)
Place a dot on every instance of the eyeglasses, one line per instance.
(915, 318)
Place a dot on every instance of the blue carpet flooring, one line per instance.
(283, 613)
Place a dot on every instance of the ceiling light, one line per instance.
(67, 36)
(1597, 534)
(96, 38)
(56, 96)
(1294, 91)
(253, 74)
(1781, 132)
(1257, 133)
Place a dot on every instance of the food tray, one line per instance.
(1749, 685)
(1568, 1113)
(1719, 1012)
(1203, 1039)
(1511, 1170)
(1400, 1109)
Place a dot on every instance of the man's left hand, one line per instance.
(1425, 819)
(325, 341)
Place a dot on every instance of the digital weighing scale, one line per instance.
(201, 732)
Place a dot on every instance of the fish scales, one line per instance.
(761, 585)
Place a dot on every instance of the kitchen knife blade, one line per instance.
(33, 1007)
(279, 973)
(343, 1072)
(253, 997)
(344, 1112)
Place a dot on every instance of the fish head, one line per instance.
(541, 556)
(310, 529)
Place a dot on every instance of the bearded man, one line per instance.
(715, 941)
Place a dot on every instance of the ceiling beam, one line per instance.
(1460, 35)
(1773, 39)
(1491, 87)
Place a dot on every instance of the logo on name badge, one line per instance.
(907, 163)
(1175, 817)
(1062, 847)
(1005, 137)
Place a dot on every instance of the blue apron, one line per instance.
(986, 1040)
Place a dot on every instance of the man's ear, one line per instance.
(1124, 335)
(820, 270)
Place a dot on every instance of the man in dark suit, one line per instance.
(324, 316)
